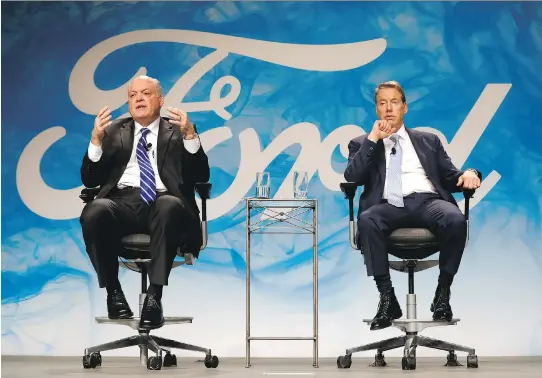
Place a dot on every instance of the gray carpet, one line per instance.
(58, 367)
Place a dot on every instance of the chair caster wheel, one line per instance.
(472, 361)
(154, 363)
(93, 360)
(211, 361)
(379, 360)
(344, 362)
(451, 360)
(170, 360)
(408, 363)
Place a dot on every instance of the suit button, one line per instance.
(370, 148)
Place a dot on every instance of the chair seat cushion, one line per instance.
(138, 246)
(412, 236)
(413, 243)
(138, 242)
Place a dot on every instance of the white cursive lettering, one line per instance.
(89, 99)
(315, 155)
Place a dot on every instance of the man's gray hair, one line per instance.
(151, 79)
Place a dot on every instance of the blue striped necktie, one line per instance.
(146, 173)
(395, 187)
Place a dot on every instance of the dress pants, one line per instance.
(105, 221)
(421, 210)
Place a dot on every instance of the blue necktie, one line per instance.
(146, 173)
(395, 187)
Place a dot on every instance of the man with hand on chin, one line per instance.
(146, 168)
(408, 181)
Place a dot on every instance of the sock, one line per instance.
(383, 283)
(156, 290)
(113, 284)
(445, 279)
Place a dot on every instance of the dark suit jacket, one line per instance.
(179, 169)
(367, 167)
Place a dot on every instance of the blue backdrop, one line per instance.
(275, 87)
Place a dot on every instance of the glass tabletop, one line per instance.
(254, 202)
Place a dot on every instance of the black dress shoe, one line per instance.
(152, 315)
(388, 310)
(442, 311)
(117, 306)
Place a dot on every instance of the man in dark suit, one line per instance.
(146, 168)
(408, 180)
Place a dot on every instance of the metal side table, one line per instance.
(283, 216)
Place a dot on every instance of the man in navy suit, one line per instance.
(408, 180)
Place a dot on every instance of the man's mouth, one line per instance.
(141, 107)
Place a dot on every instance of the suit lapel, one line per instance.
(416, 142)
(127, 142)
(165, 132)
(381, 163)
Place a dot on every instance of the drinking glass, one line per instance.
(301, 184)
(263, 185)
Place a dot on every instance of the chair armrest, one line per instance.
(204, 190)
(468, 194)
(349, 190)
(88, 194)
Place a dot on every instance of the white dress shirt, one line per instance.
(130, 177)
(413, 176)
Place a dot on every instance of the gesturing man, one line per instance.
(146, 168)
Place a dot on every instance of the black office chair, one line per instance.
(135, 256)
(412, 246)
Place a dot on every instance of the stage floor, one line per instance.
(43, 367)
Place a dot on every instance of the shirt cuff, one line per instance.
(192, 145)
(94, 152)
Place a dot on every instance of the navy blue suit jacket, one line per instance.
(367, 167)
